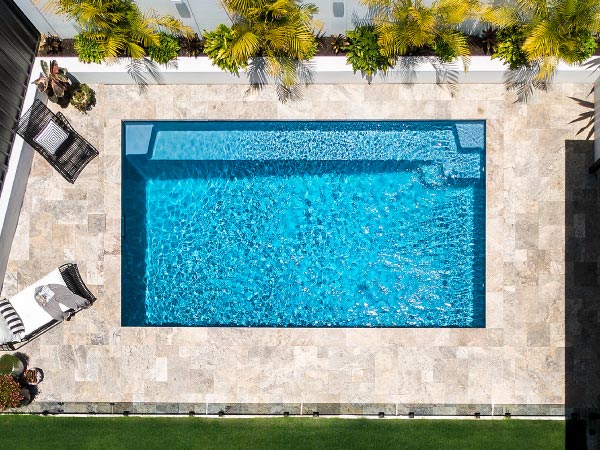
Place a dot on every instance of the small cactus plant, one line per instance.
(83, 98)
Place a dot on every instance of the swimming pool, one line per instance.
(303, 224)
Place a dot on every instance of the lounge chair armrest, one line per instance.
(72, 277)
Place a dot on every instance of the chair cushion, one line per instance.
(51, 137)
(12, 319)
(30, 312)
(6, 335)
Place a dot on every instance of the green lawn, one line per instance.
(18, 432)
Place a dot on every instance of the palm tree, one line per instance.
(113, 28)
(406, 25)
(274, 39)
(562, 30)
(118, 27)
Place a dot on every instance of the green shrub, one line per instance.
(89, 50)
(8, 363)
(216, 47)
(167, 49)
(510, 47)
(443, 50)
(83, 98)
(363, 52)
(587, 46)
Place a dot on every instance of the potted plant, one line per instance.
(53, 81)
(10, 392)
(11, 365)
(33, 376)
(83, 98)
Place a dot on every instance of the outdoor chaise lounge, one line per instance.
(22, 319)
(55, 139)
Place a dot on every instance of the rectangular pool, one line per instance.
(303, 224)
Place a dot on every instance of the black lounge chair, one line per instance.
(55, 139)
(21, 312)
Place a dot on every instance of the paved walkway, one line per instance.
(519, 358)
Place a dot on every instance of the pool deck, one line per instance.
(516, 363)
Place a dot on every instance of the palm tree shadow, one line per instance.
(524, 83)
(263, 71)
(587, 117)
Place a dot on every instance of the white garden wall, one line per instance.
(326, 70)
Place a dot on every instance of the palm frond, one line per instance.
(167, 23)
(244, 46)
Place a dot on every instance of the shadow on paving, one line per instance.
(582, 297)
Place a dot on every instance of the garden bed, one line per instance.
(326, 48)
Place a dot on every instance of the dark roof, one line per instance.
(18, 44)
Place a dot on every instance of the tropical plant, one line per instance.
(338, 42)
(167, 49)
(443, 50)
(561, 30)
(53, 81)
(113, 28)
(217, 46)
(89, 50)
(8, 363)
(404, 26)
(588, 46)
(279, 32)
(192, 46)
(83, 98)
(489, 40)
(118, 26)
(510, 47)
(364, 54)
(33, 376)
(50, 44)
(10, 392)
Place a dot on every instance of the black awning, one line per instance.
(18, 45)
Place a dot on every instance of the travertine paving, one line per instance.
(517, 359)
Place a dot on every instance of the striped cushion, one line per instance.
(12, 318)
(51, 137)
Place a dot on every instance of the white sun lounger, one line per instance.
(36, 320)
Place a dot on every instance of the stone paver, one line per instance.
(518, 359)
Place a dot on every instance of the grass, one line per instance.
(277, 433)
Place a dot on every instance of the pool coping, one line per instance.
(137, 140)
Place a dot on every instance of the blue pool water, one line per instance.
(304, 224)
